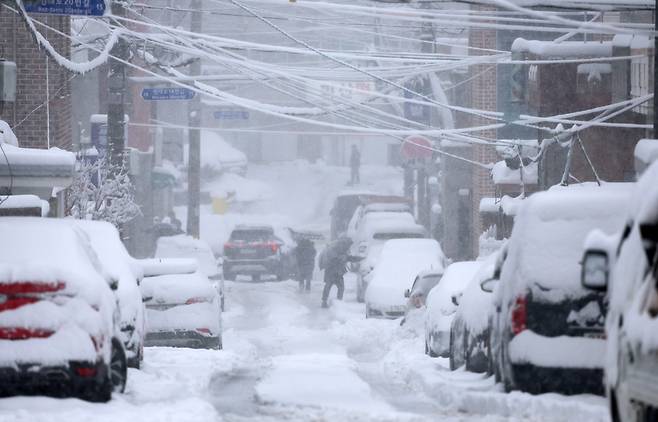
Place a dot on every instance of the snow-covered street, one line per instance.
(285, 358)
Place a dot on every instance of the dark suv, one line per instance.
(256, 251)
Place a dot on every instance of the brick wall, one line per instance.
(28, 115)
(483, 97)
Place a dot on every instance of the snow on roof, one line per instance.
(507, 148)
(167, 168)
(594, 68)
(563, 49)
(640, 42)
(53, 157)
(510, 205)
(646, 150)
(7, 135)
(622, 40)
(546, 243)
(503, 175)
(489, 205)
(25, 201)
(216, 152)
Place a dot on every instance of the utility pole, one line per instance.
(194, 141)
(116, 142)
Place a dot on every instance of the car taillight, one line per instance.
(85, 371)
(519, 314)
(205, 331)
(193, 300)
(228, 246)
(273, 246)
(16, 302)
(20, 333)
(26, 287)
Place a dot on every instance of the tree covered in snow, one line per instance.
(102, 192)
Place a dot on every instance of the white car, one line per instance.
(371, 239)
(441, 306)
(182, 309)
(184, 246)
(114, 258)
(364, 210)
(58, 315)
(400, 262)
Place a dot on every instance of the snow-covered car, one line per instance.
(363, 210)
(118, 263)
(549, 328)
(58, 315)
(259, 250)
(625, 266)
(469, 332)
(182, 307)
(347, 202)
(371, 238)
(401, 261)
(184, 246)
(424, 282)
(441, 306)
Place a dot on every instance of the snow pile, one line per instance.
(238, 189)
(183, 246)
(38, 157)
(400, 262)
(556, 352)
(218, 154)
(311, 379)
(7, 135)
(503, 175)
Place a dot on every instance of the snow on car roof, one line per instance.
(177, 288)
(48, 250)
(386, 206)
(546, 243)
(184, 246)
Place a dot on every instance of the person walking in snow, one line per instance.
(334, 261)
(305, 255)
(355, 165)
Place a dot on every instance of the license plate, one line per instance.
(249, 251)
(600, 336)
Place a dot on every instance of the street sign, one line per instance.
(162, 94)
(416, 147)
(231, 115)
(66, 7)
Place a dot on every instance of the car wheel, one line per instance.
(118, 367)
(255, 277)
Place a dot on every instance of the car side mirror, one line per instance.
(455, 300)
(595, 271)
(407, 293)
(114, 285)
(488, 285)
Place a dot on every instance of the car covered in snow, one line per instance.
(549, 328)
(401, 261)
(625, 267)
(59, 321)
(423, 284)
(346, 204)
(469, 331)
(371, 238)
(117, 262)
(255, 251)
(184, 246)
(182, 305)
(441, 306)
(377, 207)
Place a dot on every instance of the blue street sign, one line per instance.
(160, 94)
(66, 7)
(231, 115)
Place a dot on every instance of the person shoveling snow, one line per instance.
(333, 261)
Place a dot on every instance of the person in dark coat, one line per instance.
(334, 261)
(305, 255)
(355, 164)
